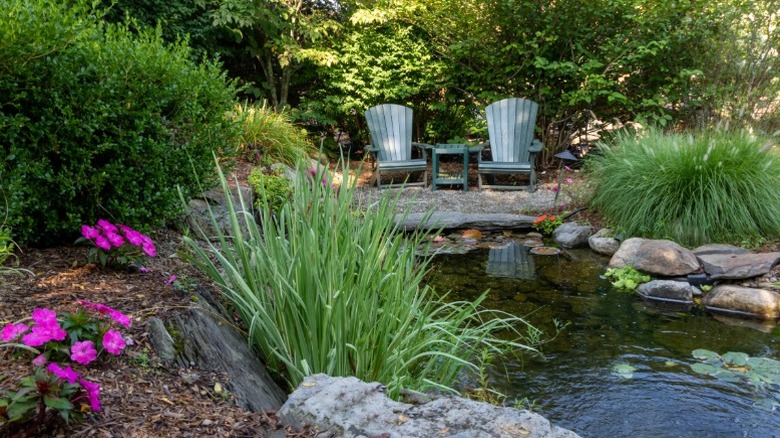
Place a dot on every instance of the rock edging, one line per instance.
(348, 407)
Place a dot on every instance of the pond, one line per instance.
(622, 368)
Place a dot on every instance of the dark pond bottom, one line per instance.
(622, 368)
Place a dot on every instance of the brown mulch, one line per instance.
(140, 396)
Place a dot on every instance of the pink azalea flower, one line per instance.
(149, 249)
(555, 189)
(103, 243)
(83, 352)
(147, 240)
(120, 318)
(143, 269)
(89, 232)
(171, 279)
(569, 180)
(12, 331)
(113, 342)
(115, 239)
(107, 226)
(63, 373)
(99, 308)
(44, 316)
(93, 393)
(43, 333)
(132, 236)
(39, 361)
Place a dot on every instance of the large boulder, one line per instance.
(604, 242)
(667, 290)
(626, 254)
(348, 407)
(732, 266)
(719, 248)
(740, 300)
(572, 234)
(655, 257)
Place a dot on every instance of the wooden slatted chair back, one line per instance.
(511, 125)
(390, 126)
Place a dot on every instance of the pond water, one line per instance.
(622, 368)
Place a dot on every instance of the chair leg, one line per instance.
(531, 184)
(425, 178)
(479, 181)
(378, 179)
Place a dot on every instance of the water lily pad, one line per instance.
(703, 354)
(703, 368)
(764, 365)
(735, 359)
(623, 370)
(670, 363)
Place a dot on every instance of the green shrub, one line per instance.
(327, 289)
(270, 137)
(711, 186)
(96, 122)
(271, 188)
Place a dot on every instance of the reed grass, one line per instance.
(711, 186)
(327, 288)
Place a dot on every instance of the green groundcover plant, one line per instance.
(694, 188)
(59, 348)
(325, 288)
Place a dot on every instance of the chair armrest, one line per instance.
(480, 147)
(424, 147)
(536, 146)
(370, 148)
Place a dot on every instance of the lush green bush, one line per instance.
(96, 122)
(272, 190)
(326, 289)
(269, 136)
(711, 186)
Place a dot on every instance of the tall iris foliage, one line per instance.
(696, 188)
(325, 287)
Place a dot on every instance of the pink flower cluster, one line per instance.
(106, 236)
(45, 328)
(91, 388)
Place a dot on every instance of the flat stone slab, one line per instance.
(348, 407)
(455, 220)
(735, 266)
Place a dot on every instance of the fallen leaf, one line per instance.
(165, 399)
(218, 388)
(403, 418)
(309, 384)
(472, 234)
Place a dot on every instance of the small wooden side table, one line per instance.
(462, 177)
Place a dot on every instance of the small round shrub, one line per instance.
(98, 121)
(703, 187)
(272, 189)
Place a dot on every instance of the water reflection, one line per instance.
(574, 385)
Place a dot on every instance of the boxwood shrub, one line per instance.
(97, 121)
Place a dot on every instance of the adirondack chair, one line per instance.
(511, 139)
(391, 143)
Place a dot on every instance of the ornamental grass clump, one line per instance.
(325, 288)
(270, 137)
(710, 186)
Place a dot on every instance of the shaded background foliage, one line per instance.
(665, 63)
(587, 63)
